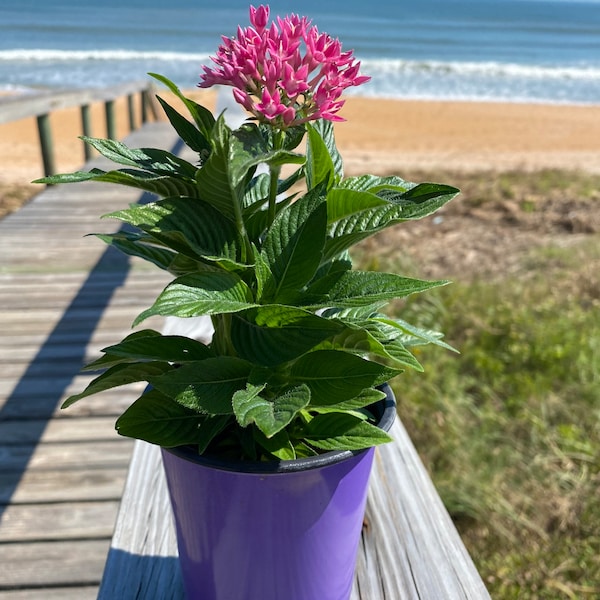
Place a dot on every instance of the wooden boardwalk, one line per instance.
(63, 296)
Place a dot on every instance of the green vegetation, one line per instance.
(510, 428)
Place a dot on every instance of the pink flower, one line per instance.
(285, 74)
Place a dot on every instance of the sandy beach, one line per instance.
(379, 136)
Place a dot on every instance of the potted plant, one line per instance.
(267, 432)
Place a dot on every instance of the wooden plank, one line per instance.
(54, 593)
(411, 534)
(92, 454)
(65, 521)
(62, 284)
(52, 485)
(410, 549)
(142, 562)
(52, 564)
(62, 429)
(31, 400)
(63, 297)
(13, 109)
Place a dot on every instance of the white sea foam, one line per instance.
(396, 78)
(485, 69)
(50, 55)
(564, 84)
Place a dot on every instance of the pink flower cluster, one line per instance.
(285, 74)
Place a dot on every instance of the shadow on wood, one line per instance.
(82, 315)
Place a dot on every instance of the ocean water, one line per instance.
(509, 50)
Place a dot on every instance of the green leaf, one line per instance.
(323, 161)
(140, 245)
(334, 376)
(219, 180)
(342, 431)
(271, 335)
(75, 177)
(374, 183)
(170, 348)
(292, 137)
(415, 203)
(203, 117)
(285, 184)
(108, 360)
(163, 162)
(293, 248)
(416, 336)
(209, 428)
(204, 293)
(186, 130)
(365, 398)
(421, 200)
(262, 272)
(278, 446)
(270, 416)
(256, 194)
(157, 419)
(235, 155)
(361, 339)
(153, 160)
(118, 152)
(400, 354)
(161, 185)
(363, 288)
(342, 203)
(206, 386)
(121, 374)
(187, 225)
(258, 149)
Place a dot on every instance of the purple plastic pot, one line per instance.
(284, 530)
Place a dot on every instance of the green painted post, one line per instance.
(131, 112)
(144, 103)
(86, 128)
(111, 130)
(45, 135)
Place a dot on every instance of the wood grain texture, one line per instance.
(64, 297)
(55, 593)
(47, 565)
(13, 109)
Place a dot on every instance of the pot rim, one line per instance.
(385, 409)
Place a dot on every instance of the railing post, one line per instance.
(131, 112)
(86, 129)
(152, 104)
(148, 104)
(144, 104)
(111, 130)
(45, 135)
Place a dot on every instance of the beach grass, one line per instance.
(509, 428)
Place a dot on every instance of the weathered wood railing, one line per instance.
(40, 106)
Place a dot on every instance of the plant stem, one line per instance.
(222, 336)
(274, 170)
